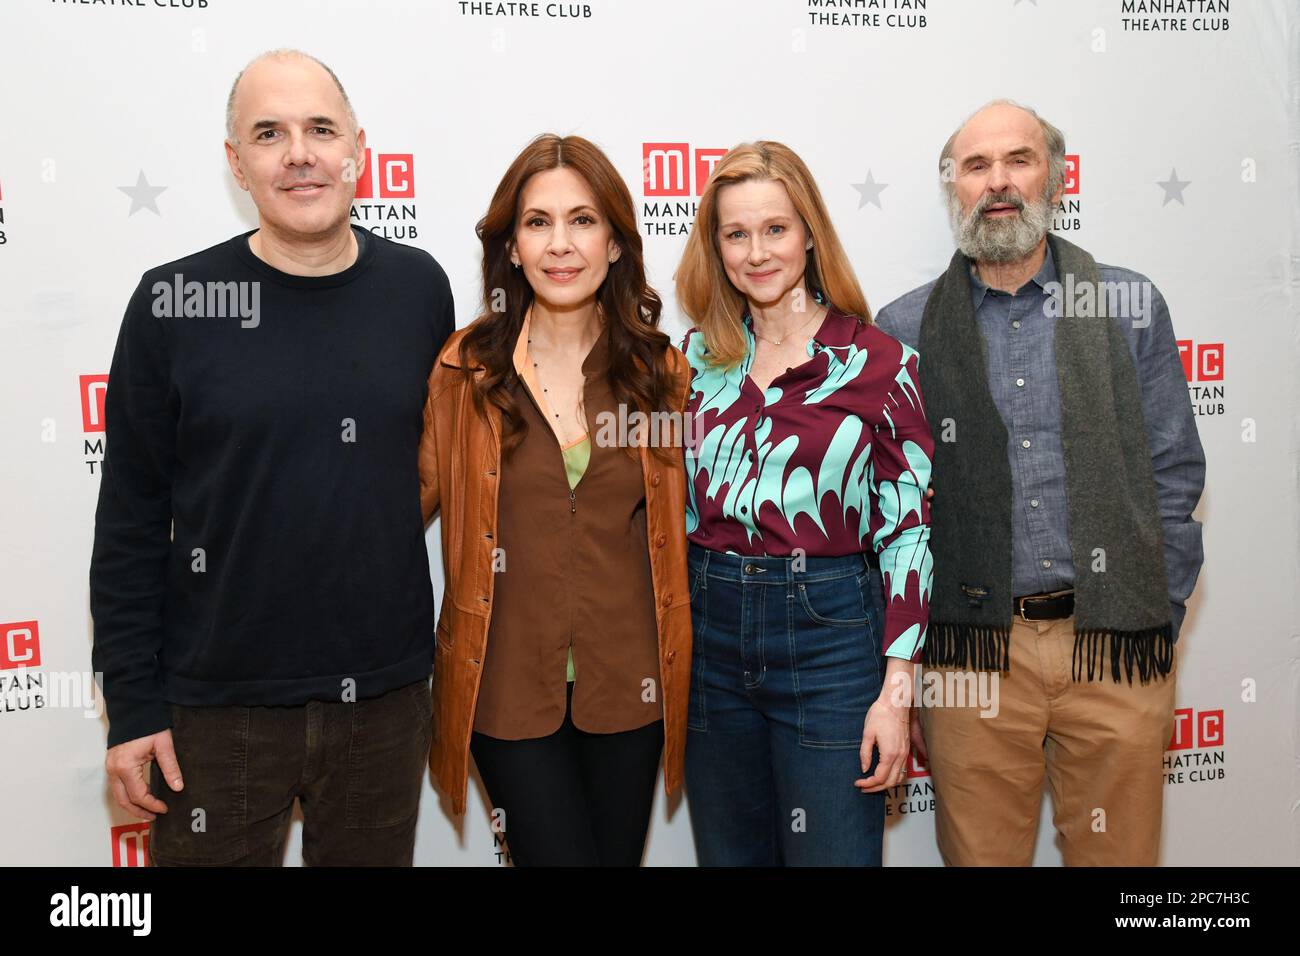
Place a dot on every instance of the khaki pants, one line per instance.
(1100, 744)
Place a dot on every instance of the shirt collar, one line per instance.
(597, 358)
(837, 329)
(979, 288)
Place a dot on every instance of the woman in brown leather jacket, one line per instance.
(552, 445)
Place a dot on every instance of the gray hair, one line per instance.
(282, 54)
(1055, 148)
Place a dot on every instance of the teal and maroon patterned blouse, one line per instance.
(833, 458)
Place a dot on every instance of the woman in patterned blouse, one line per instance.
(806, 485)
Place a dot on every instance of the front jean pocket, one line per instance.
(837, 668)
(697, 574)
(841, 602)
(387, 754)
(207, 822)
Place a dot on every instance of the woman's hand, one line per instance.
(887, 729)
(918, 736)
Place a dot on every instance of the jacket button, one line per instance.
(654, 479)
(667, 599)
(661, 541)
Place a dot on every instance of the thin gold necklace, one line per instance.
(537, 371)
(816, 313)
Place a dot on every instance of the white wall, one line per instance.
(95, 94)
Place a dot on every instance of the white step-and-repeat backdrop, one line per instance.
(1182, 125)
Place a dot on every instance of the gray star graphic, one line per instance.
(1174, 187)
(143, 196)
(869, 190)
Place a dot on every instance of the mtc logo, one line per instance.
(666, 168)
(1202, 361)
(1071, 174)
(395, 173)
(1196, 730)
(916, 767)
(131, 844)
(20, 645)
(93, 388)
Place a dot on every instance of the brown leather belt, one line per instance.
(1044, 607)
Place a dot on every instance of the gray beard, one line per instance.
(1005, 239)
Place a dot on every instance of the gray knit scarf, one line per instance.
(1121, 597)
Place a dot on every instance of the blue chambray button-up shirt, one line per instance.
(1020, 339)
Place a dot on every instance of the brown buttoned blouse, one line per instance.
(573, 569)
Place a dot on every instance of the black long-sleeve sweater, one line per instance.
(258, 537)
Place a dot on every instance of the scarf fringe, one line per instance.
(980, 647)
(1150, 650)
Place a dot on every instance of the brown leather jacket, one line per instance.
(460, 460)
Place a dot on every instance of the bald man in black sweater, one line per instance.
(264, 618)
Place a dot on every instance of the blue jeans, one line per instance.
(786, 663)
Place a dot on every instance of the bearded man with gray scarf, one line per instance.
(1067, 466)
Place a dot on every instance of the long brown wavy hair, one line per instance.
(638, 373)
(705, 293)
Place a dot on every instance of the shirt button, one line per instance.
(1020, 382)
(667, 599)
(670, 656)
(1025, 443)
(1015, 323)
(1046, 563)
(654, 479)
(661, 541)
(1033, 502)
